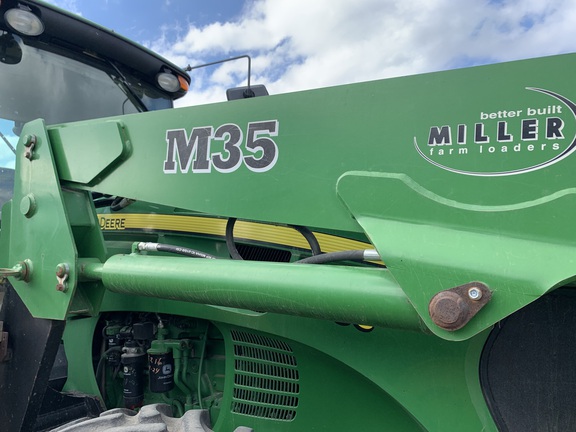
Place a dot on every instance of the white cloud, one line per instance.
(300, 44)
(69, 5)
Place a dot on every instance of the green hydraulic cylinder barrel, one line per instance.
(356, 295)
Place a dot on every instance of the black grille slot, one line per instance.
(264, 354)
(266, 369)
(266, 384)
(254, 339)
(259, 253)
(263, 411)
(266, 398)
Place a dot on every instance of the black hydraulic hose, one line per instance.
(310, 238)
(100, 366)
(103, 202)
(230, 240)
(119, 203)
(183, 251)
(306, 233)
(350, 255)
(161, 247)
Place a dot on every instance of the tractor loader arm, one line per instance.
(402, 248)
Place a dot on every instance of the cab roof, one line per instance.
(81, 37)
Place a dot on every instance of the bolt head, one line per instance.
(28, 205)
(62, 270)
(474, 293)
(29, 140)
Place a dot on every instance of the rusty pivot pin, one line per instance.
(452, 309)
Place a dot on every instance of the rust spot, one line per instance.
(452, 309)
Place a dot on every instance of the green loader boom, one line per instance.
(400, 248)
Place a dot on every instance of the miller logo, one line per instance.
(504, 142)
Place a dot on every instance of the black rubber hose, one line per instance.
(103, 202)
(230, 240)
(305, 232)
(119, 203)
(310, 238)
(100, 366)
(183, 251)
(350, 255)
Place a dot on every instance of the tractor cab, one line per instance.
(60, 68)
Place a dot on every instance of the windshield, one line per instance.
(42, 84)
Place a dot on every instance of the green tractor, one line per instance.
(395, 255)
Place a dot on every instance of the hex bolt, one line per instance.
(29, 143)
(475, 293)
(62, 272)
(29, 140)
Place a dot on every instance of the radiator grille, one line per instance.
(259, 253)
(266, 378)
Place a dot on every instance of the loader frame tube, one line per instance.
(353, 295)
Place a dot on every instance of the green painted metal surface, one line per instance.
(446, 243)
(454, 177)
(359, 295)
(434, 381)
(39, 228)
(484, 154)
(322, 134)
(70, 154)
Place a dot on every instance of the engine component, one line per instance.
(133, 363)
(143, 331)
(161, 369)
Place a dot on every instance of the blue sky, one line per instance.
(141, 20)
